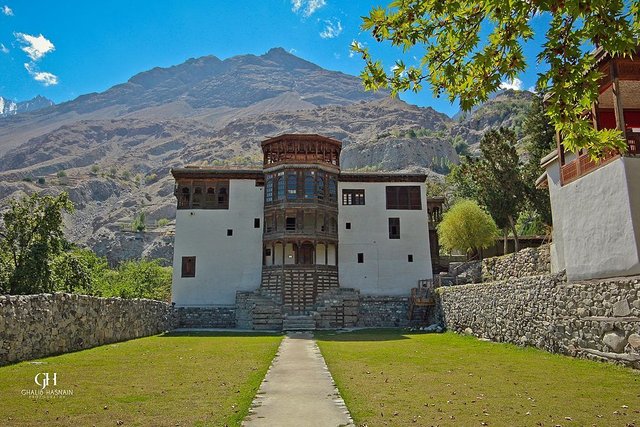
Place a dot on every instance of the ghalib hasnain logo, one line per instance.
(47, 383)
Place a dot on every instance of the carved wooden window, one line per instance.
(280, 187)
(210, 194)
(403, 197)
(184, 201)
(353, 197)
(309, 185)
(292, 186)
(268, 191)
(333, 189)
(394, 228)
(320, 187)
(188, 266)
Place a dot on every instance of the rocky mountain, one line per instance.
(112, 151)
(10, 108)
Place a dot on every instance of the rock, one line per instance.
(634, 341)
(583, 312)
(615, 341)
(621, 308)
(468, 331)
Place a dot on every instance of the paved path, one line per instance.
(298, 389)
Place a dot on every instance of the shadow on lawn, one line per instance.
(363, 335)
(229, 333)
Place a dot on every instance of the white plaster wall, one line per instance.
(224, 264)
(386, 270)
(593, 221)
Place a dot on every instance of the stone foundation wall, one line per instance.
(597, 319)
(383, 312)
(206, 317)
(524, 263)
(33, 326)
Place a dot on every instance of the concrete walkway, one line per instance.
(298, 389)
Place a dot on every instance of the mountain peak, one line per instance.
(280, 56)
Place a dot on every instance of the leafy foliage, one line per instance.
(455, 61)
(466, 227)
(31, 237)
(539, 141)
(495, 179)
(36, 258)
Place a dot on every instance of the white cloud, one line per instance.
(35, 47)
(515, 84)
(532, 89)
(292, 50)
(3, 48)
(332, 29)
(7, 10)
(306, 7)
(43, 77)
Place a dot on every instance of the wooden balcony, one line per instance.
(583, 164)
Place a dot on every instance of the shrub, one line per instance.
(467, 227)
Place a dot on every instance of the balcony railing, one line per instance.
(583, 164)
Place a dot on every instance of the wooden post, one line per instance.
(617, 98)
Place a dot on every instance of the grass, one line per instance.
(202, 379)
(389, 377)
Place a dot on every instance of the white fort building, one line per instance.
(295, 231)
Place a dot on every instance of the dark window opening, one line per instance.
(229, 232)
(410, 258)
(394, 228)
(352, 197)
(290, 224)
(267, 252)
(256, 223)
(348, 225)
(404, 197)
(188, 266)
(360, 258)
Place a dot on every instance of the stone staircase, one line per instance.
(298, 322)
(257, 311)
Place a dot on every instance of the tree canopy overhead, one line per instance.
(456, 61)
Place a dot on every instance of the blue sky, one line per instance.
(65, 49)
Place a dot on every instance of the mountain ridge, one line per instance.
(112, 150)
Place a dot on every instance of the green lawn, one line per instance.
(166, 380)
(388, 377)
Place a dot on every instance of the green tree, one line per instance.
(494, 180)
(139, 222)
(31, 237)
(137, 279)
(539, 140)
(458, 62)
(467, 227)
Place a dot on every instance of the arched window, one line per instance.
(309, 185)
(222, 195)
(185, 197)
(268, 192)
(333, 189)
(197, 197)
(292, 186)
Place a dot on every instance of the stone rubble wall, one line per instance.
(206, 317)
(383, 312)
(338, 308)
(524, 263)
(598, 319)
(33, 326)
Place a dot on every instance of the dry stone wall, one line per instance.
(206, 317)
(524, 263)
(597, 319)
(33, 326)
